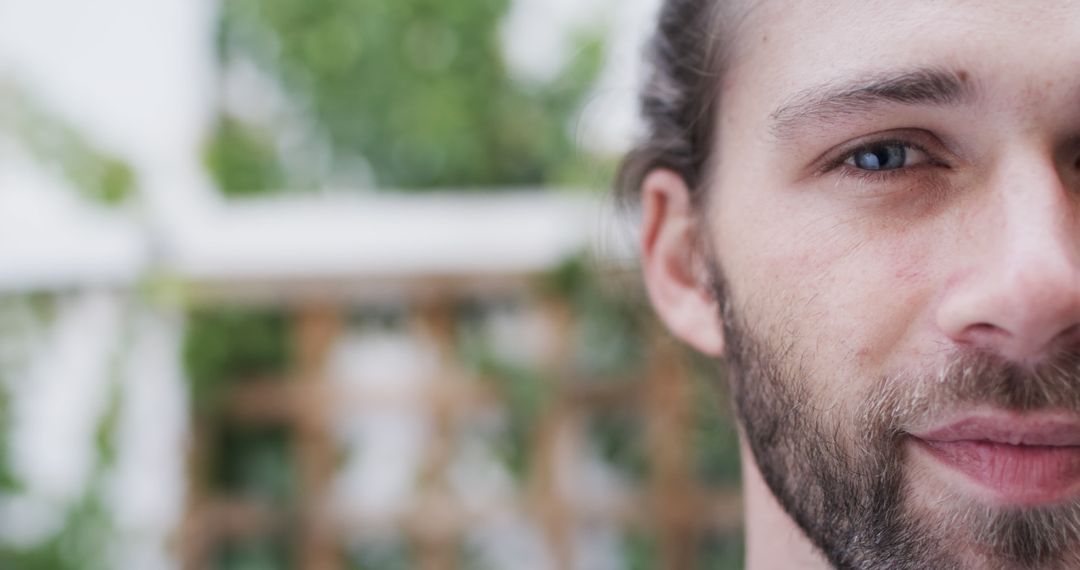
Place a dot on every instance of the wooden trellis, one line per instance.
(672, 504)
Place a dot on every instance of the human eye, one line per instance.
(885, 156)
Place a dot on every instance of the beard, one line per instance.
(839, 471)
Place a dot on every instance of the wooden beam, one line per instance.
(317, 329)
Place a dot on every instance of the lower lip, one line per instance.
(1017, 474)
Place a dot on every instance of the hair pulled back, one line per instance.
(680, 98)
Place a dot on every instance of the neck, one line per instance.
(773, 540)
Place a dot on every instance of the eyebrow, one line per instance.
(836, 101)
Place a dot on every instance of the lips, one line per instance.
(1019, 460)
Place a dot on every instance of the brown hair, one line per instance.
(680, 99)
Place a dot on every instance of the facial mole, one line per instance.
(962, 75)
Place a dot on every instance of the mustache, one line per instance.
(975, 377)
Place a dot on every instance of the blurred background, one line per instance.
(330, 284)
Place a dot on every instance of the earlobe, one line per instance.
(674, 271)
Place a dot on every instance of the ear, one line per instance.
(674, 272)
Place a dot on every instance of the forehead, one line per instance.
(1018, 48)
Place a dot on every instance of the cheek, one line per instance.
(891, 307)
(851, 295)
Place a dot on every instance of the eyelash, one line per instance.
(838, 164)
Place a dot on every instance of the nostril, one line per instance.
(984, 335)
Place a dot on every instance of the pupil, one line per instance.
(882, 158)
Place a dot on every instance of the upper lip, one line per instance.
(1009, 429)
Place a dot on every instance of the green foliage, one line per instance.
(716, 439)
(105, 433)
(254, 463)
(222, 347)
(525, 391)
(21, 318)
(721, 551)
(620, 440)
(387, 554)
(526, 394)
(243, 158)
(230, 345)
(257, 553)
(608, 330)
(417, 89)
(84, 542)
(713, 551)
(95, 173)
(9, 482)
(611, 324)
(640, 550)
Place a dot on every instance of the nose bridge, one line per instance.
(1023, 292)
(1040, 245)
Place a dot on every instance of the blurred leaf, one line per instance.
(86, 539)
(721, 551)
(716, 438)
(105, 434)
(639, 549)
(389, 554)
(417, 89)
(620, 439)
(524, 390)
(526, 394)
(254, 463)
(243, 159)
(611, 324)
(224, 346)
(259, 553)
(98, 175)
(9, 481)
(82, 544)
(22, 317)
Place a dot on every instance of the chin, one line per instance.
(977, 525)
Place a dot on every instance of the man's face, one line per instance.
(895, 215)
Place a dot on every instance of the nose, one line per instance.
(1018, 292)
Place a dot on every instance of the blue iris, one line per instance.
(881, 157)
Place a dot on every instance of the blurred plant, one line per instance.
(619, 437)
(526, 393)
(387, 554)
(716, 440)
(415, 91)
(254, 463)
(721, 551)
(228, 345)
(93, 172)
(22, 320)
(607, 329)
(525, 390)
(713, 551)
(640, 551)
(84, 542)
(225, 347)
(611, 322)
(243, 158)
(270, 552)
(610, 331)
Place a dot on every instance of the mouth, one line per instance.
(1019, 460)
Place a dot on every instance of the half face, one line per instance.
(894, 213)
